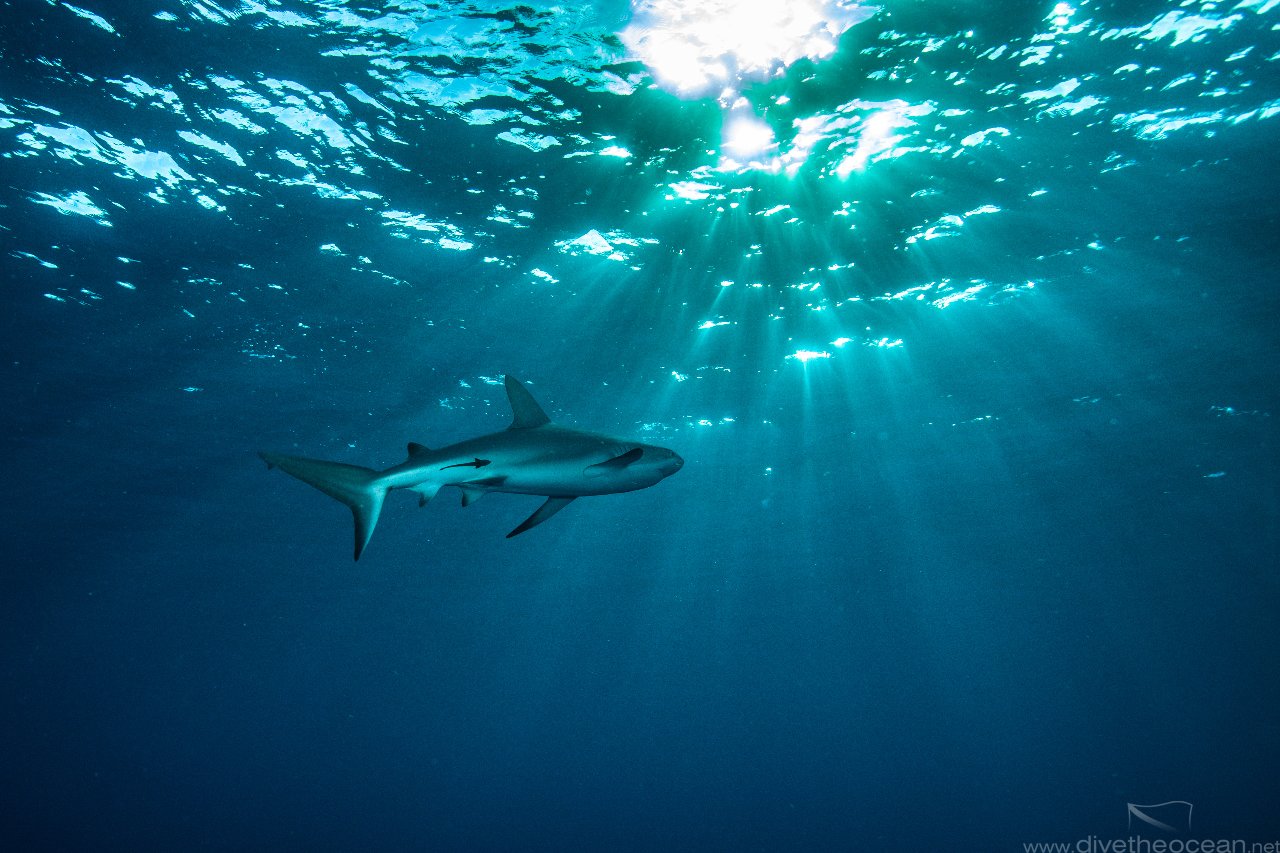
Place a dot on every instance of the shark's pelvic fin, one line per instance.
(474, 490)
(356, 487)
(416, 449)
(426, 491)
(528, 414)
(548, 509)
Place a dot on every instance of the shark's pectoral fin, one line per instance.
(548, 509)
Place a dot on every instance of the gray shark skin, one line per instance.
(531, 457)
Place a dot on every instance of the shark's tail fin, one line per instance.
(357, 487)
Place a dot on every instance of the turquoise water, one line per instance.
(963, 317)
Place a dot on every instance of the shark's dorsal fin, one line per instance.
(527, 413)
(416, 449)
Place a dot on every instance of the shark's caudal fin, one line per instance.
(356, 487)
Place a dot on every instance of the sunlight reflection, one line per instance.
(805, 356)
(877, 136)
(867, 131)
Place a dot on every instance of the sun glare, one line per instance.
(719, 47)
(695, 49)
(747, 136)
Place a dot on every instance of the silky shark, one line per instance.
(531, 457)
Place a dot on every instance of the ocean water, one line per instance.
(964, 317)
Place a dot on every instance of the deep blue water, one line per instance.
(963, 316)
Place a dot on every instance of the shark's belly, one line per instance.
(568, 485)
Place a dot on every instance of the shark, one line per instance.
(533, 456)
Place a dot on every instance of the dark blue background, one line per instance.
(983, 589)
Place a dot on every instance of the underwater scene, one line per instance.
(787, 425)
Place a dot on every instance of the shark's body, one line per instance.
(531, 457)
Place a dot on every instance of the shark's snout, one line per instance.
(672, 465)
